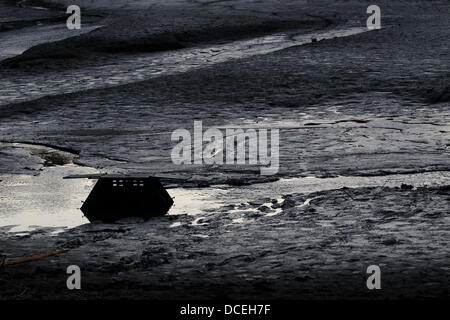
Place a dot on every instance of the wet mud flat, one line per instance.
(294, 238)
(344, 112)
(337, 113)
(143, 27)
(25, 24)
(314, 250)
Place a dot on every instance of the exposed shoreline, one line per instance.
(179, 33)
(323, 257)
(354, 114)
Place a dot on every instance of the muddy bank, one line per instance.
(31, 158)
(316, 249)
(138, 67)
(353, 111)
(357, 134)
(45, 199)
(136, 29)
(350, 113)
(139, 26)
(24, 26)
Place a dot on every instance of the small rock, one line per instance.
(406, 186)
(389, 241)
(264, 209)
(254, 214)
(288, 203)
(126, 260)
(312, 210)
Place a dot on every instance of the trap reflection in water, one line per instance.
(46, 200)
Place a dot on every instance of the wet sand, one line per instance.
(364, 154)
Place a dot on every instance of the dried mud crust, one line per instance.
(319, 250)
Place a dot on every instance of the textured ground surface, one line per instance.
(372, 104)
(320, 250)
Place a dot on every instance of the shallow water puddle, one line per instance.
(29, 202)
(45, 200)
(140, 67)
